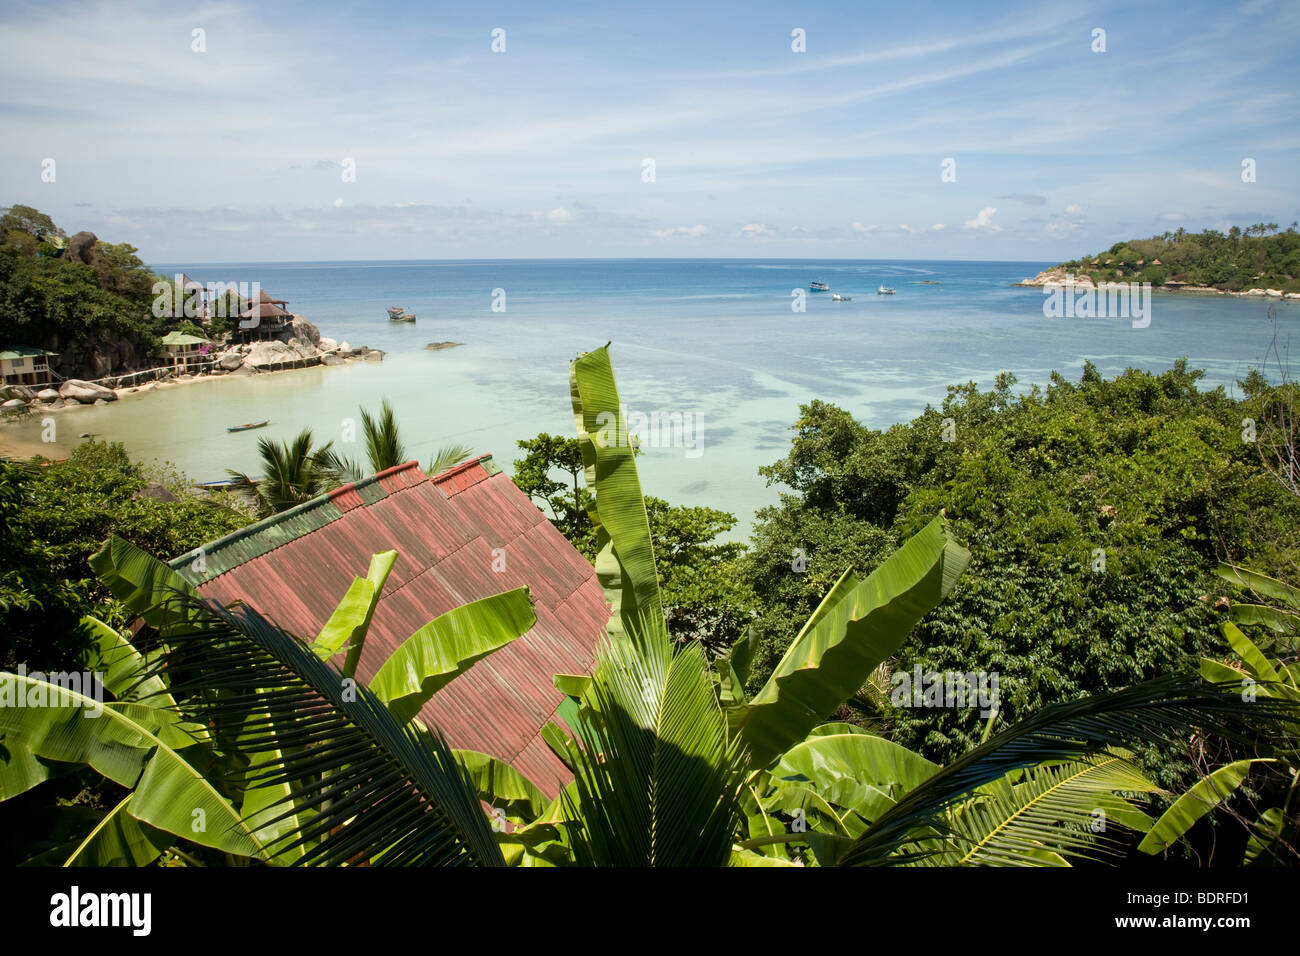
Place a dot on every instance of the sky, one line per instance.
(230, 132)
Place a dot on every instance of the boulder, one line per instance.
(230, 361)
(20, 392)
(57, 403)
(345, 349)
(327, 344)
(305, 331)
(85, 392)
(269, 353)
(14, 403)
(100, 401)
(374, 355)
(436, 346)
(79, 247)
(47, 394)
(331, 360)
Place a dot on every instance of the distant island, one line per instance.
(1259, 260)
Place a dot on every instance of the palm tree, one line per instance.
(293, 472)
(385, 449)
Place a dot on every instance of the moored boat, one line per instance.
(819, 287)
(395, 312)
(883, 290)
(247, 425)
(407, 317)
(836, 297)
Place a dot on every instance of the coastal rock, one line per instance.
(47, 394)
(230, 361)
(57, 403)
(435, 346)
(269, 353)
(374, 355)
(85, 392)
(331, 360)
(100, 401)
(345, 349)
(327, 344)
(1276, 293)
(14, 403)
(305, 331)
(18, 391)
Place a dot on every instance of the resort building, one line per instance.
(24, 365)
(264, 319)
(183, 349)
(461, 536)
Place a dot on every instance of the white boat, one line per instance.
(818, 287)
(884, 291)
(836, 297)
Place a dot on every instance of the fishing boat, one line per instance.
(818, 287)
(408, 317)
(216, 485)
(883, 290)
(247, 425)
(395, 312)
(836, 297)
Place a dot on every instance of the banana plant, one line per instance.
(136, 830)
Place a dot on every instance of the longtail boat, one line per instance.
(246, 426)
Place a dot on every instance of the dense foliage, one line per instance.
(56, 515)
(705, 598)
(1096, 512)
(50, 300)
(1257, 257)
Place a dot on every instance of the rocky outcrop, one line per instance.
(20, 392)
(79, 247)
(48, 394)
(86, 393)
(437, 346)
(99, 356)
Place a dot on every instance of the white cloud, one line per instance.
(559, 215)
(858, 227)
(338, 203)
(683, 232)
(756, 230)
(983, 220)
(937, 227)
(1074, 209)
(1172, 216)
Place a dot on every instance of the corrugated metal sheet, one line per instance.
(462, 535)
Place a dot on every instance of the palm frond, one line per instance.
(1164, 711)
(448, 456)
(364, 787)
(657, 780)
(384, 446)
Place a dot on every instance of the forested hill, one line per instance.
(1257, 257)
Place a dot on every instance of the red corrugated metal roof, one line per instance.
(450, 532)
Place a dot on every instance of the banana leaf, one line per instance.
(448, 646)
(625, 561)
(350, 621)
(119, 839)
(858, 625)
(1203, 797)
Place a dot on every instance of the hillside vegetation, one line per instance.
(1260, 256)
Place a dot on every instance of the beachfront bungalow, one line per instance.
(183, 349)
(268, 318)
(24, 365)
(461, 536)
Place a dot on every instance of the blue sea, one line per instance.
(713, 339)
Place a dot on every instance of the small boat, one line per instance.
(247, 425)
(408, 317)
(836, 297)
(220, 483)
(395, 312)
(884, 291)
(818, 287)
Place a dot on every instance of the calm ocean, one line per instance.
(711, 338)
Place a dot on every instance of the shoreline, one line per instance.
(1056, 277)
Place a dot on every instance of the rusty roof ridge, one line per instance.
(455, 470)
(270, 521)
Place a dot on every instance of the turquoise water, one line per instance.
(715, 339)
